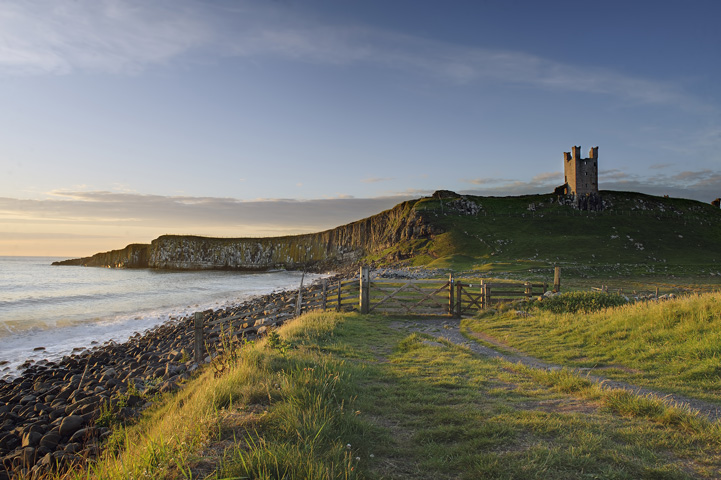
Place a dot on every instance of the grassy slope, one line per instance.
(635, 235)
(351, 396)
(673, 345)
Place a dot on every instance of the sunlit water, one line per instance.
(60, 308)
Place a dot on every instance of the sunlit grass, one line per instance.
(352, 396)
(672, 345)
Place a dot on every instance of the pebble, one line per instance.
(48, 412)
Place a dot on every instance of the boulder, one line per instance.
(31, 439)
(70, 425)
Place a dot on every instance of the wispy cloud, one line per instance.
(486, 181)
(613, 174)
(376, 179)
(543, 182)
(660, 166)
(198, 214)
(702, 185)
(693, 177)
(46, 36)
(547, 178)
(115, 36)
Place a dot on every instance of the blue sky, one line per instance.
(123, 120)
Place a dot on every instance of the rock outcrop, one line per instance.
(330, 248)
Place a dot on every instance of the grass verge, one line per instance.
(672, 346)
(349, 396)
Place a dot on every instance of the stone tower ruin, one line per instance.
(581, 174)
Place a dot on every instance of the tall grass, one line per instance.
(302, 424)
(348, 396)
(675, 344)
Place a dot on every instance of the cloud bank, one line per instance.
(196, 215)
(126, 36)
(193, 214)
(701, 185)
(80, 223)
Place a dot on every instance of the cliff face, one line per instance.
(134, 255)
(331, 247)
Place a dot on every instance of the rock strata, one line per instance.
(55, 413)
(325, 250)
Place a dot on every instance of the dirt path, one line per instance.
(449, 329)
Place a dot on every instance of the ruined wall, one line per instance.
(581, 174)
(326, 249)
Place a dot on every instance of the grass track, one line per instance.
(672, 346)
(348, 396)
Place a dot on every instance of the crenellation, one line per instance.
(581, 174)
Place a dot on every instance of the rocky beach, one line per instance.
(56, 414)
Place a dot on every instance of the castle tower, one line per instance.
(581, 174)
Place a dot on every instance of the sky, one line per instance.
(123, 120)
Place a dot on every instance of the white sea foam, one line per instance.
(61, 308)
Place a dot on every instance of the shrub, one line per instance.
(574, 302)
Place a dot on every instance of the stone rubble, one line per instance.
(49, 414)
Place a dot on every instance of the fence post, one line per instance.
(299, 303)
(451, 302)
(459, 299)
(529, 290)
(486, 290)
(325, 293)
(557, 279)
(339, 292)
(199, 340)
(364, 290)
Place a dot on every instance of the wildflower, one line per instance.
(348, 446)
(372, 456)
(357, 459)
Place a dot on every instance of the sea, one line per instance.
(47, 311)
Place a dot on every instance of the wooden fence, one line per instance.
(440, 296)
(327, 294)
(471, 297)
(437, 297)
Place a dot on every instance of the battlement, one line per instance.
(581, 174)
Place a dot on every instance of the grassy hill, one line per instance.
(635, 234)
(346, 396)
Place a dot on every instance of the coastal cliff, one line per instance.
(632, 232)
(329, 248)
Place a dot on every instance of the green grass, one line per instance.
(672, 345)
(361, 396)
(449, 414)
(636, 235)
(580, 302)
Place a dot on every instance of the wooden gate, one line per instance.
(482, 295)
(410, 297)
(438, 296)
